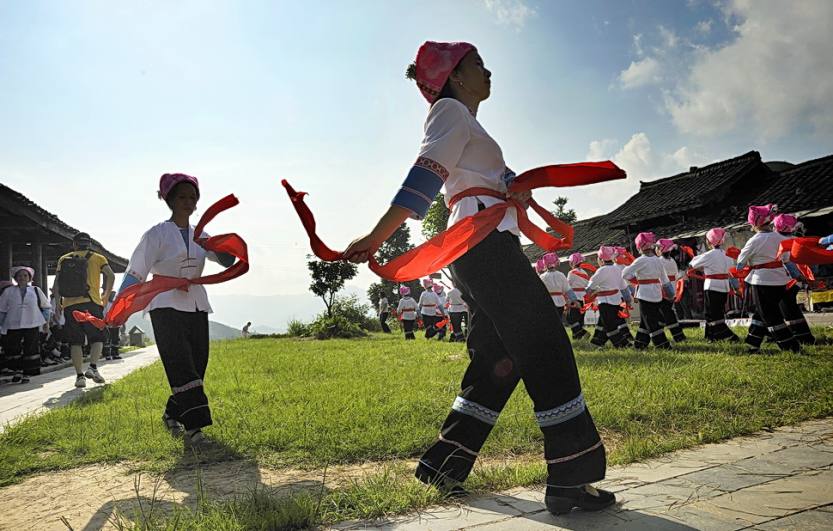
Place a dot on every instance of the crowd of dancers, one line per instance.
(619, 281)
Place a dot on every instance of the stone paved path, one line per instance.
(781, 479)
(57, 388)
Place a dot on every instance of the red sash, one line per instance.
(454, 242)
(647, 281)
(580, 274)
(775, 264)
(718, 276)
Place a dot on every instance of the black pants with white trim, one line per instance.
(515, 335)
(716, 329)
(669, 319)
(610, 327)
(428, 321)
(768, 306)
(650, 327)
(794, 318)
(457, 324)
(182, 341)
(575, 320)
(408, 326)
(22, 349)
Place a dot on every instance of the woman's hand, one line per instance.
(361, 249)
(521, 197)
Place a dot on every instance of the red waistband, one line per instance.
(471, 192)
(775, 264)
(579, 289)
(672, 278)
(647, 281)
(719, 276)
(427, 305)
(607, 293)
(556, 293)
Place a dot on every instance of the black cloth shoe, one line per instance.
(450, 488)
(562, 500)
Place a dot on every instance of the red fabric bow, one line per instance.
(136, 297)
(454, 242)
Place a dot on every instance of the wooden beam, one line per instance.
(37, 260)
(5, 256)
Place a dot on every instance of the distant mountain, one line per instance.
(263, 329)
(215, 330)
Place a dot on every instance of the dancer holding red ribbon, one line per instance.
(515, 333)
(767, 279)
(787, 225)
(718, 282)
(666, 306)
(607, 289)
(652, 286)
(578, 279)
(407, 311)
(175, 252)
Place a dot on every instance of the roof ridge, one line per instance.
(755, 155)
(804, 165)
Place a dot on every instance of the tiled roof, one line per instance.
(806, 186)
(684, 191)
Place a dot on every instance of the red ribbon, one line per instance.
(136, 297)
(454, 242)
(806, 251)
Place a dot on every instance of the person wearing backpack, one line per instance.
(78, 287)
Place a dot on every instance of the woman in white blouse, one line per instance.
(179, 317)
(24, 310)
(515, 333)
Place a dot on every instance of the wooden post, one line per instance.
(37, 260)
(44, 268)
(6, 257)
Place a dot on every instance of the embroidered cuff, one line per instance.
(418, 191)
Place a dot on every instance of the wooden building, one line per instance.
(32, 236)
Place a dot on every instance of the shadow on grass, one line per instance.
(201, 481)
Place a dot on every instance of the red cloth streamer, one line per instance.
(806, 251)
(687, 250)
(454, 242)
(136, 297)
(733, 252)
(590, 268)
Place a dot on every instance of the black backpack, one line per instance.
(72, 278)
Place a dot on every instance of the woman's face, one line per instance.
(184, 200)
(22, 277)
(472, 76)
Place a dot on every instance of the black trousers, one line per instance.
(408, 327)
(610, 327)
(428, 322)
(22, 348)
(575, 320)
(514, 335)
(767, 301)
(182, 341)
(457, 323)
(716, 329)
(794, 318)
(669, 319)
(383, 320)
(650, 326)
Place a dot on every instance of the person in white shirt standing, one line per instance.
(557, 284)
(428, 304)
(407, 311)
(24, 310)
(456, 310)
(578, 279)
(715, 265)
(179, 317)
(767, 279)
(666, 307)
(652, 286)
(787, 225)
(608, 289)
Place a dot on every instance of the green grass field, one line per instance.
(301, 403)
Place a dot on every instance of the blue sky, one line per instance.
(97, 99)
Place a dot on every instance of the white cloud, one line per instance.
(513, 13)
(704, 26)
(776, 76)
(669, 38)
(601, 149)
(637, 45)
(640, 73)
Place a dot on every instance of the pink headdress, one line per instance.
(576, 259)
(666, 245)
(169, 180)
(606, 253)
(427, 283)
(540, 266)
(434, 63)
(404, 290)
(551, 260)
(716, 236)
(15, 270)
(438, 288)
(759, 216)
(785, 222)
(645, 240)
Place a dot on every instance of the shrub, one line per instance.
(297, 328)
(326, 327)
(351, 309)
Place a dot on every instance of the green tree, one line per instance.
(436, 219)
(399, 243)
(328, 278)
(562, 212)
